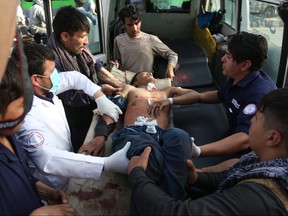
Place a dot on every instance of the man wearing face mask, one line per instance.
(18, 187)
(45, 133)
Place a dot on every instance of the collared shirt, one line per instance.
(242, 98)
(19, 195)
(46, 137)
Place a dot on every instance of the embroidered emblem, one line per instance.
(250, 109)
(35, 139)
(235, 103)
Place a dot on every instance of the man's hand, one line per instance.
(114, 64)
(193, 176)
(141, 160)
(118, 162)
(156, 107)
(105, 106)
(95, 147)
(62, 209)
(57, 197)
(169, 73)
(109, 90)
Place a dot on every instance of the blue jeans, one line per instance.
(167, 162)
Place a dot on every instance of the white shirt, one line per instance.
(46, 138)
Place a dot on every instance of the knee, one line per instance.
(177, 132)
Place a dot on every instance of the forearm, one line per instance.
(106, 77)
(229, 145)
(206, 181)
(75, 80)
(151, 200)
(183, 96)
(44, 191)
(69, 164)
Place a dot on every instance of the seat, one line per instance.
(194, 69)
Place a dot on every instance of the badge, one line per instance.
(35, 139)
(250, 109)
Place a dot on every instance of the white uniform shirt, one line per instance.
(46, 138)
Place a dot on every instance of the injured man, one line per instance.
(143, 127)
(171, 147)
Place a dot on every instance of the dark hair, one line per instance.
(246, 46)
(11, 85)
(131, 12)
(36, 55)
(274, 106)
(69, 19)
(134, 78)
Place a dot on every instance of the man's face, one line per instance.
(257, 133)
(75, 43)
(230, 67)
(144, 78)
(44, 80)
(14, 110)
(132, 27)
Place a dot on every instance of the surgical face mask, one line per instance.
(9, 124)
(55, 80)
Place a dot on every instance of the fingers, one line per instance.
(190, 165)
(141, 160)
(146, 153)
(119, 110)
(127, 146)
(64, 197)
(155, 109)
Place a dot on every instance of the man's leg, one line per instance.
(140, 139)
(176, 147)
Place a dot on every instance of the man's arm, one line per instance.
(234, 143)
(50, 194)
(75, 80)
(165, 52)
(242, 199)
(106, 77)
(182, 96)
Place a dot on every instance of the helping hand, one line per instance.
(192, 176)
(105, 106)
(109, 90)
(141, 160)
(118, 162)
(96, 147)
(57, 197)
(155, 108)
(170, 74)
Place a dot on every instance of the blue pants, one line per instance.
(167, 162)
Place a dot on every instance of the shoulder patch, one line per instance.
(35, 139)
(250, 109)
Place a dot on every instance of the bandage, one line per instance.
(142, 120)
(102, 129)
(170, 100)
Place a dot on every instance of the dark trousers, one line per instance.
(167, 162)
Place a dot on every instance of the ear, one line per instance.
(274, 138)
(246, 65)
(34, 80)
(64, 36)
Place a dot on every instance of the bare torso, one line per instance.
(138, 104)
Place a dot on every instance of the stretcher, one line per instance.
(109, 195)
